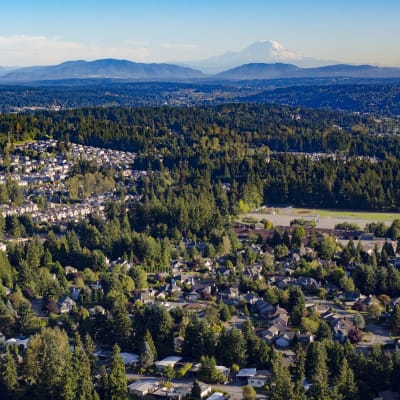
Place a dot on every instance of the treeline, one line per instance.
(379, 99)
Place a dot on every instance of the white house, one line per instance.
(130, 359)
(216, 396)
(166, 362)
(260, 379)
(142, 388)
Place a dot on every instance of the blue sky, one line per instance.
(51, 31)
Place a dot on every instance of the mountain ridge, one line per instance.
(102, 68)
(125, 70)
(253, 71)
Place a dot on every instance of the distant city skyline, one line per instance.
(45, 32)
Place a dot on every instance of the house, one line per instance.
(260, 379)
(167, 362)
(97, 310)
(245, 374)
(263, 308)
(145, 296)
(216, 396)
(253, 272)
(269, 335)
(350, 298)
(341, 329)
(142, 388)
(22, 341)
(304, 338)
(195, 309)
(205, 389)
(65, 304)
(223, 370)
(250, 298)
(172, 288)
(307, 283)
(130, 359)
(70, 270)
(192, 296)
(173, 393)
(285, 340)
(278, 316)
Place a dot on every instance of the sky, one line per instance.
(42, 32)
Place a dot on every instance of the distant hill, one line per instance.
(5, 70)
(102, 69)
(262, 51)
(280, 70)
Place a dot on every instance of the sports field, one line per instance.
(323, 218)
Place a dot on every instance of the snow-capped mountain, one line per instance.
(263, 51)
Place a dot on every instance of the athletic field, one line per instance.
(323, 218)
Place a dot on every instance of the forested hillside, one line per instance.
(268, 154)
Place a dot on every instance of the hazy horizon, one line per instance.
(176, 31)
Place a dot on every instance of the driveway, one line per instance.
(378, 334)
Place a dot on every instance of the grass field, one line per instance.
(365, 215)
(323, 218)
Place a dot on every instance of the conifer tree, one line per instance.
(117, 383)
(8, 375)
(280, 384)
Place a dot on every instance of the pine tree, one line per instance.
(299, 370)
(146, 357)
(8, 374)
(82, 369)
(117, 383)
(346, 386)
(280, 384)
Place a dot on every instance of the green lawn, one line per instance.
(373, 216)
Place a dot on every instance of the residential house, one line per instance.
(217, 396)
(130, 359)
(260, 379)
(195, 309)
(167, 362)
(253, 272)
(142, 388)
(285, 340)
(304, 338)
(263, 308)
(245, 374)
(341, 329)
(193, 296)
(65, 304)
(97, 310)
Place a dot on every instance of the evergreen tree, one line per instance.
(117, 383)
(208, 372)
(280, 383)
(345, 384)
(299, 371)
(146, 357)
(82, 370)
(8, 375)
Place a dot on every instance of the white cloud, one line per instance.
(21, 50)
